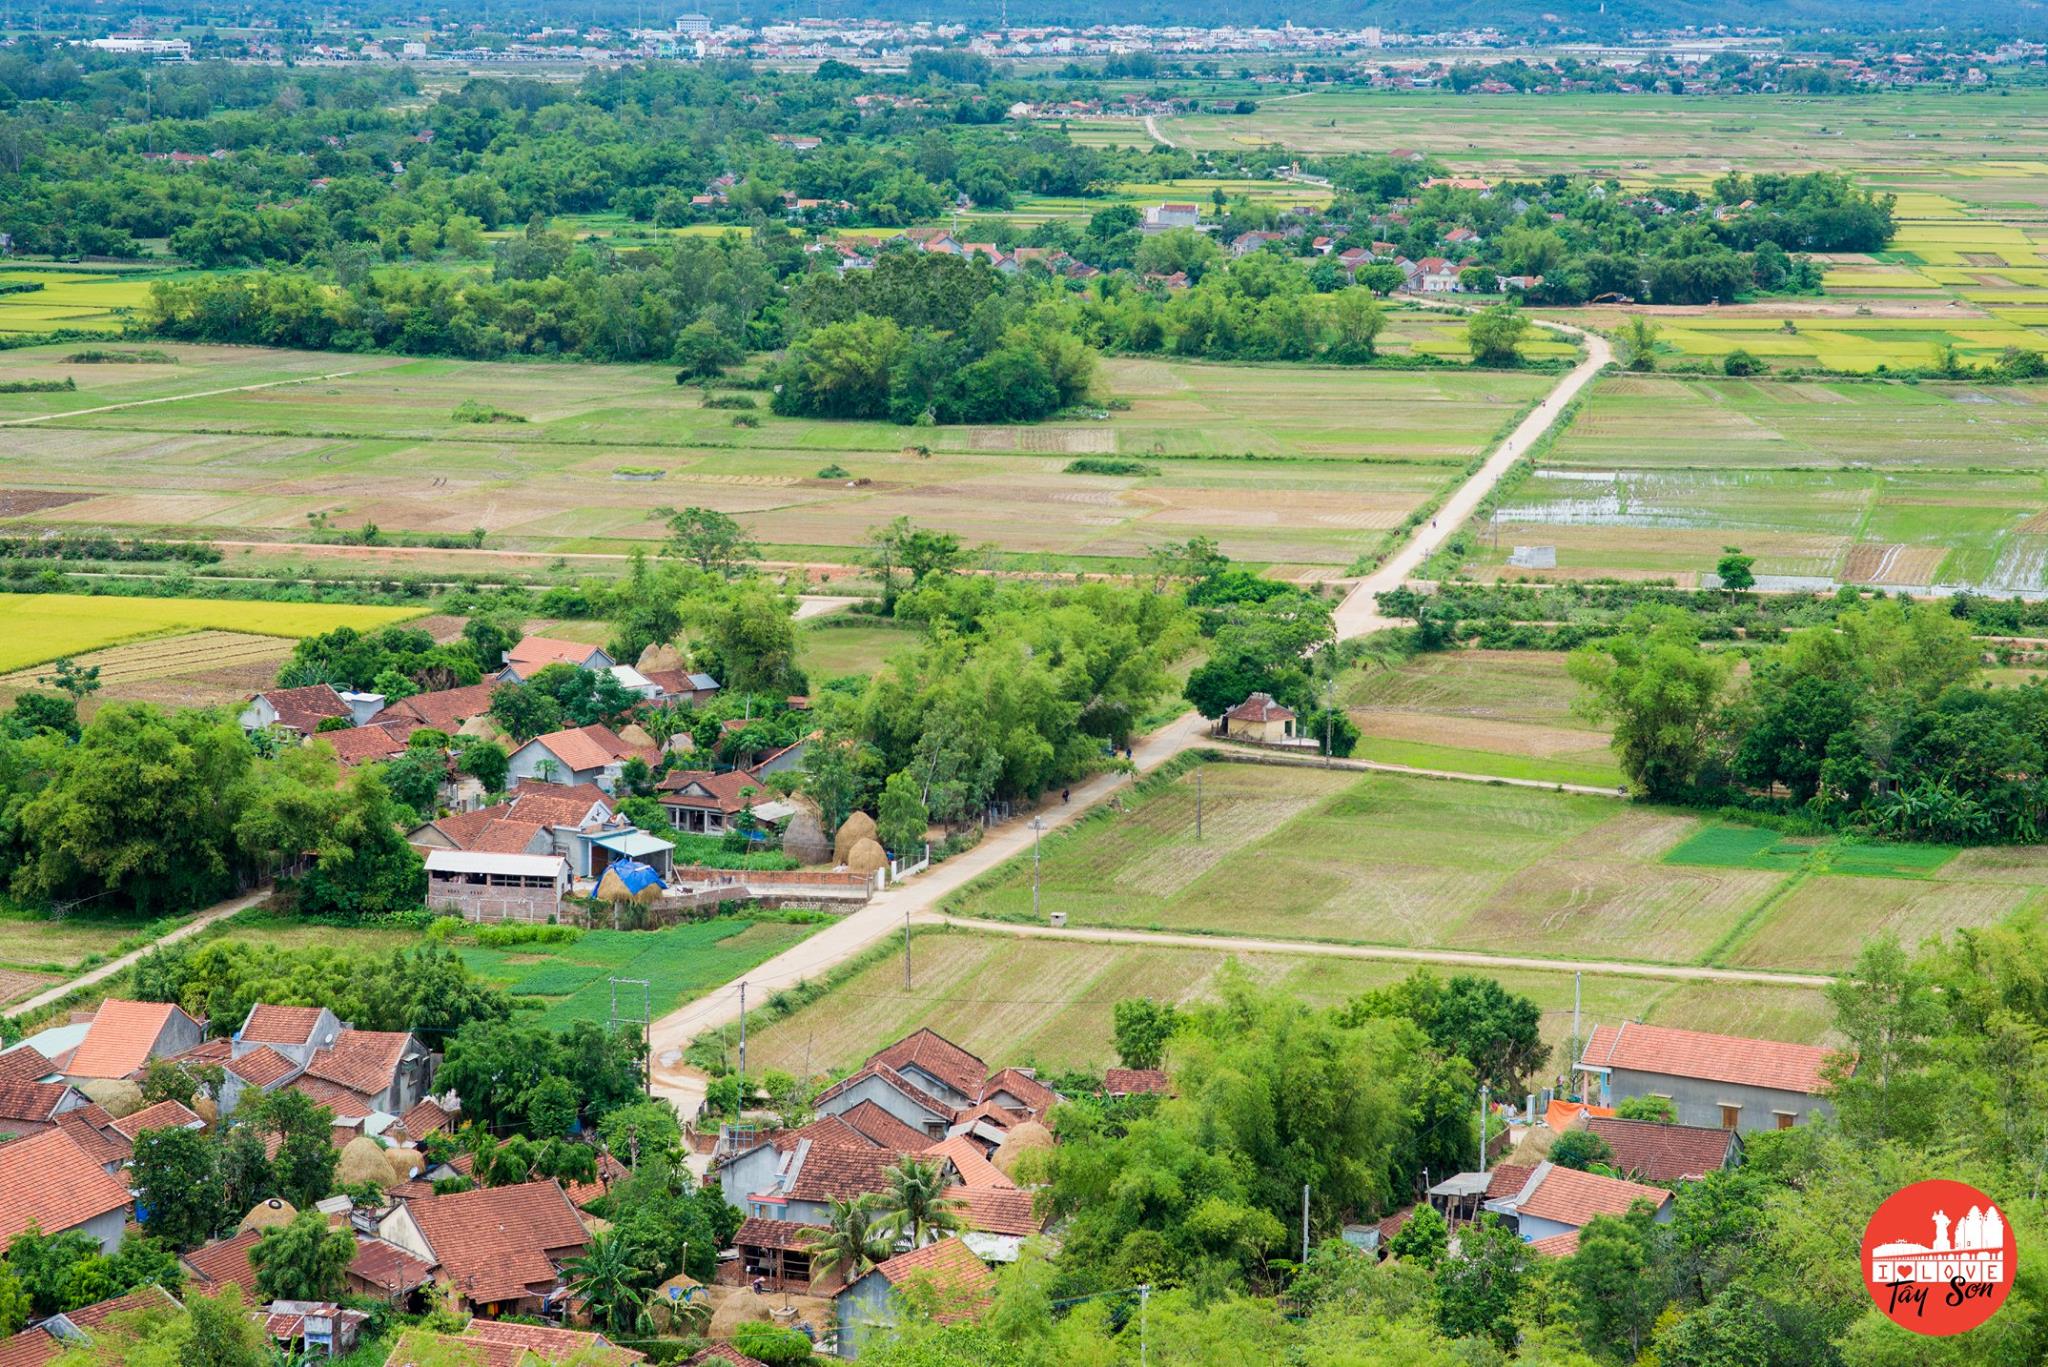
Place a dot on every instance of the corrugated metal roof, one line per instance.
(480, 861)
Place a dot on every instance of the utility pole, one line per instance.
(743, 1044)
(1482, 1127)
(1198, 804)
(1304, 1223)
(906, 949)
(1037, 825)
(1144, 1345)
(1573, 1061)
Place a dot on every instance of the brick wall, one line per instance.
(474, 902)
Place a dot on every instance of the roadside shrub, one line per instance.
(469, 410)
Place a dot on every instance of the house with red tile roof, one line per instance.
(1120, 1082)
(1665, 1154)
(28, 1108)
(298, 710)
(581, 754)
(165, 1115)
(363, 744)
(444, 709)
(959, 1284)
(1723, 1081)
(498, 1250)
(49, 1182)
(1553, 1200)
(223, 1263)
(386, 1071)
(535, 653)
(1259, 718)
(124, 1036)
(704, 803)
(60, 1333)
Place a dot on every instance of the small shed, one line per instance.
(1259, 718)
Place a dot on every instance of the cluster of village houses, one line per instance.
(559, 832)
(491, 1252)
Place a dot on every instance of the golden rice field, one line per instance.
(69, 299)
(38, 627)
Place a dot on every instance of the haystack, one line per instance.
(363, 1160)
(271, 1214)
(659, 657)
(406, 1163)
(858, 827)
(1019, 1142)
(207, 1109)
(866, 857)
(481, 727)
(117, 1096)
(803, 839)
(634, 734)
(741, 1307)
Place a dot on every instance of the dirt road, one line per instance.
(179, 398)
(219, 911)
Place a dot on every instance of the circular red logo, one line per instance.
(1939, 1257)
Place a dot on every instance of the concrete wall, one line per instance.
(1699, 1103)
(104, 1229)
(180, 1033)
(477, 902)
(864, 1308)
(889, 1099)
(750, 1172)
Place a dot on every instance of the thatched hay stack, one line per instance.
(741, 1307)
(634, 734)
(117, 1096)
(363, 1160)
(858, 827)
(271, 1214)
(207, 1109)
(659, 657)
(803, 839)
(482, 728)
(1017, 1143)
(866, 857)
(406, 1163)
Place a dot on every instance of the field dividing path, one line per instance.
(1359, 613)
(1236, 944)
(180, 398)
(219, 911)
(1152, 128)
(889, 912)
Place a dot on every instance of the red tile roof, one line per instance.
(363, 1061)
(387, 1267)
(359, 744)
(551, 1345)
(415, 1346)
(877, 1126)
(303, 709)
(1570, 1197)
(1136, 1082)
(92, 1130)
(29, 1348)
(547, 650)
(448, 708)
(1507, 1179)
(829, 1171)
(120, 1038)
(1557, 1245)
(1663, 1153)
(34, 1101)
(428, 1117)
(591, 747)
(1024, 1087)
(1259, 707)
(998, 1210)
(1729, 1059)
(500, 1243)
(910, 1090)
(933, 1053)
(345, 1102)
(788, 1235)
(89, 1318)
(717, 1353)
(165, 1115)
(280, 1024)
(24, 1063)
(227, 1261)
(47, 1180)
(961, 1281)
(263, 1067)
(830, 1130)
(726, 792)
(559, 804)
(968, 1160)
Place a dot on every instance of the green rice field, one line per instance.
(1420, 863)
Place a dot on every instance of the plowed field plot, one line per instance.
(1303, 465)
(1479, 711)
(1302, 853)
(1048, 1003)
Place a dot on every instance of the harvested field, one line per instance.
(1823, 919)
(967, 987)
(1479, 711)
(22, 502)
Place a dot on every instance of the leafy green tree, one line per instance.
(14, 1304)
(915, 1204)
(772, 1345)
(1424, 1239)
(1662, 693)
(902, 818)
(610, 1279)
(710, 540)
(486, 762)
(746, 638)
(1581, 1150)
(302, 1170)
(1656, 1109)
(1735, 569)
(1616, 1296)
(1478, 1289)
(306, 1259)
(853, 1239)
(525, 712)
(1142, 1028)
(34, 712)
(1639, 342)
(177, 1181)
(1495, 335)
(1888, 1014)
(702, 351)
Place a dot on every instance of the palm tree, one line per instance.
(916, 1203)
(853, 1240)
(608, 1279)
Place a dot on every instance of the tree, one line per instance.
(852, 1240)
(1735, 569)
(71, 680)
(772, 1345)
(746, 637)
(305, 1259)
(1423, 1239)
(169, 1080)
(901, 546)
(1888, 1015)
(901, 818)
(302, 1170)
(702, 351)
(1477, 1290)
(1656, 1109)
(524, 712)
(178, 1186)
(916, 1204)
(1615, 1299)
(1739, 363)
(1639, 342)
(1495, 335)
(1143, 1026)
(710, 540)
(1662, 693)
(1580, 1149)
(611, 1280)
(486, 762)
